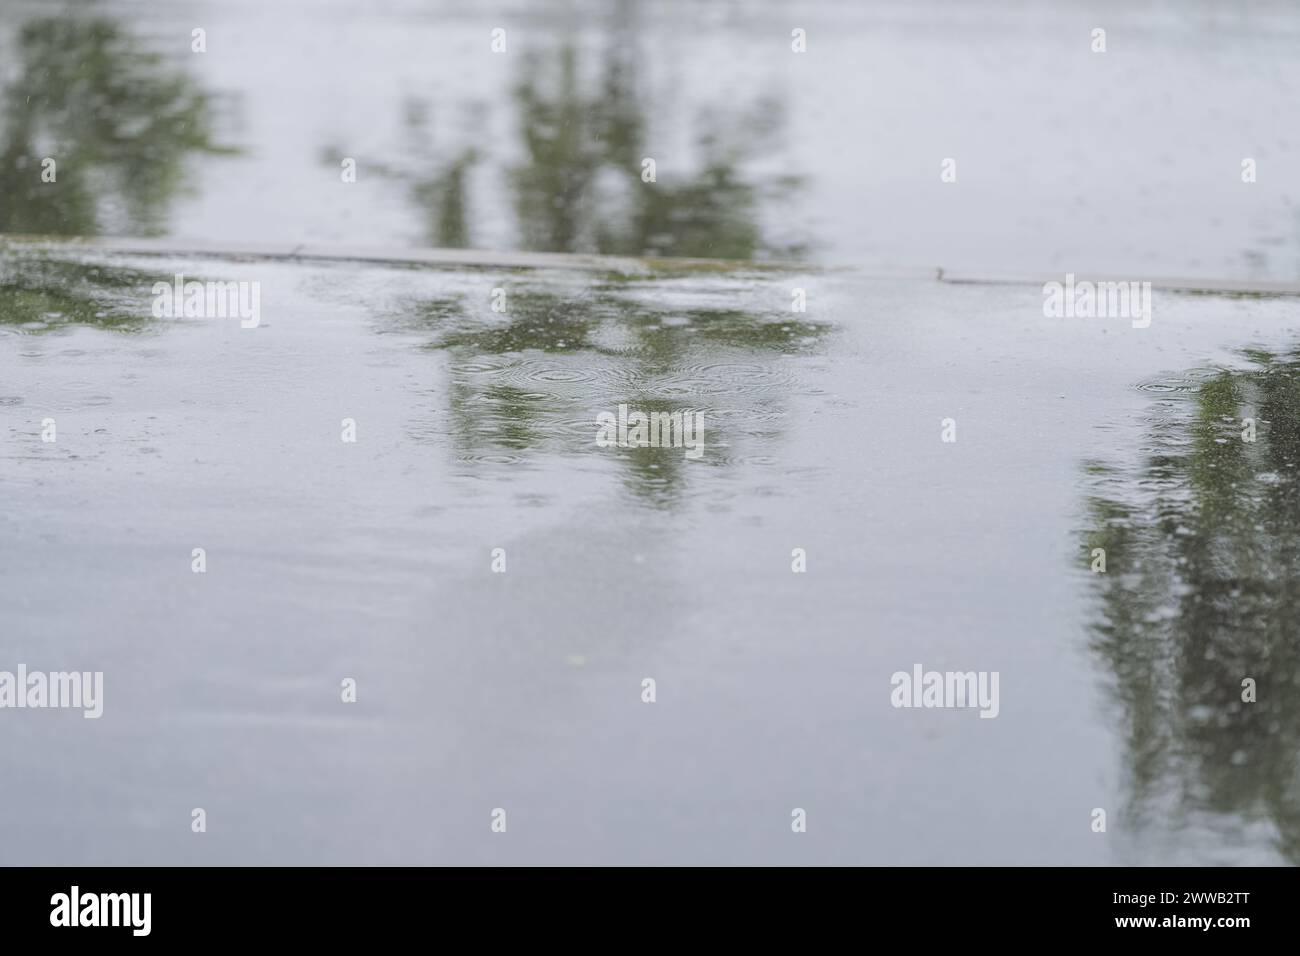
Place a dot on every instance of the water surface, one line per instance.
(1067, 160)
(476, 431)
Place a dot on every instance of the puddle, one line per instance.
(477, 430)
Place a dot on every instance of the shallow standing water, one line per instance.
(476, 690)
(373, 560)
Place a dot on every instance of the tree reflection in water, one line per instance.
(1202, 591)
(534, 380)
(119, 123)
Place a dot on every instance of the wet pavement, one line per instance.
(476, 430)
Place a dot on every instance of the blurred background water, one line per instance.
(1067, 160)
(476, 430)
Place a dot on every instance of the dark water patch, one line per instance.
(42, 293)
(575, 176)
(121, 123)
(533, 378)
(1197, 607)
